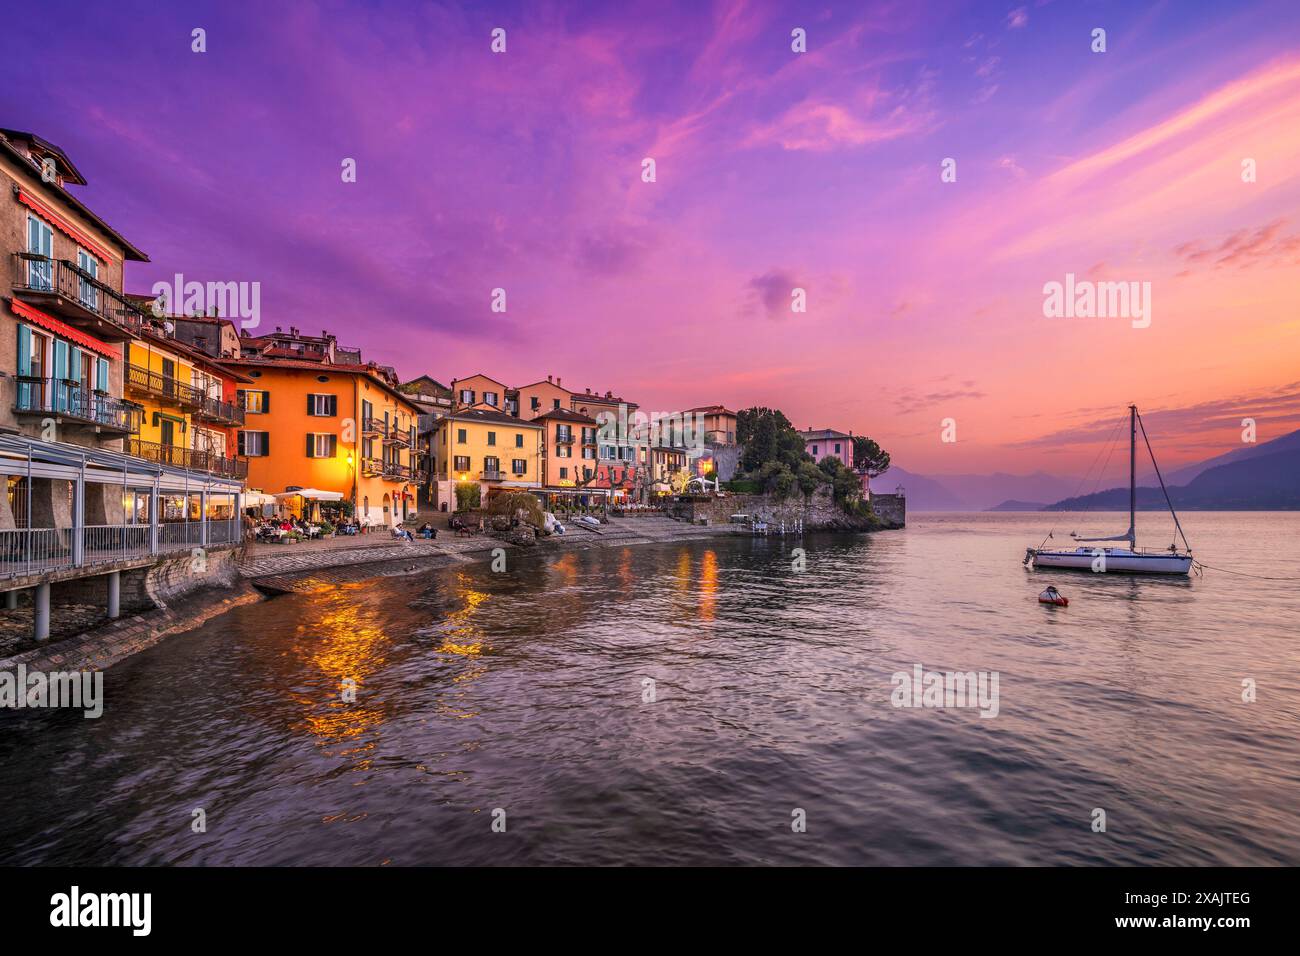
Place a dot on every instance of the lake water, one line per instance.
(524, 692)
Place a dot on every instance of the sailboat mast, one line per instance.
(1132, 476)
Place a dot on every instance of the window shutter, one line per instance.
(239, 443)
(311, 445)
(333, 405)
(334, 446)
(60, 359)
(103, 375)
(311, 404)
(75, 366)
(266, 401)
(24, 350)
(266, 442)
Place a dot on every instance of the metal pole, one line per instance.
(42, 611)
(115, 595)
(1132, 476)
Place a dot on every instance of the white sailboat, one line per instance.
(1128, 560)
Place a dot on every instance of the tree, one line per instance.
(767, 436)
(868, 456)
(468, 495)
(512, 503)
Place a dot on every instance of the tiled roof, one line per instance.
(563, 414)
(487, 417)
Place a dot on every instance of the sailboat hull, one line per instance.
(1113, 560)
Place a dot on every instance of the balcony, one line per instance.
(493, 474)
(69, 402)
(374, 426)
(165, 387)
(189, 458)
(372, 467)
(398, 437)
(60, 287)
(396, 472)
(223, 413)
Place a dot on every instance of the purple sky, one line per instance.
(774, 170)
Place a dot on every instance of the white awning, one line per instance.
(255, 499)
(312, 493)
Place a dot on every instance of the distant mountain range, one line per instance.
(975, 492)
(1261, 477)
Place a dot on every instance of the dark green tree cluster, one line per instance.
(775, 461)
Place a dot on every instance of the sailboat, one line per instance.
(1127, 560)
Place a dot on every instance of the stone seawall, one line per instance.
(818, 511)
(105, 646)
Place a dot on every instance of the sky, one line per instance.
(774, 170)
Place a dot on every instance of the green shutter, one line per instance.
(266, 401)
(103, 375)
(24, 350)
(311, 445)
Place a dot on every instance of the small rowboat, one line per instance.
(1053, 596)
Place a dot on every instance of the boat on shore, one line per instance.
(1128, 560)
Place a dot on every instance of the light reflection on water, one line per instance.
(522, 690)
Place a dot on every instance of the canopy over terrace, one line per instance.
(70, 505)
(312, 495)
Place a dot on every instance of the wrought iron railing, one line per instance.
(36, 273)
(164, 386)
(50, 396)
(191, 458)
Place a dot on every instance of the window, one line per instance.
(586, 473)
(564, 473)
(492, 438)
(254, 402)
(490, 398)
(589, 453)
(837, 448)
(460, 437)
(556, 402)
(462, 463)
(563, 451)
(254, 444)
(321, 445)
(467, 396)
(535, 402)
(518, 466)
(87, 291)
(588, 436)
(492, 465)
(322, 406)
(40, 242)
(519, 439)
(814, 451)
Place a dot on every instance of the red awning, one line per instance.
(65, 227)
(62, 329)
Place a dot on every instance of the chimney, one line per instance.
(588, 391)
(559, 381)
(548, 378)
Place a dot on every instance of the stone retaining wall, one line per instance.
(818, 511)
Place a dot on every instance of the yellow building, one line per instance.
(330, 426)
(188, 405)
(490, 449)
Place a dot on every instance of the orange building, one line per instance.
(330, 426)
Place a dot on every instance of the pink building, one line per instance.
(824, 443)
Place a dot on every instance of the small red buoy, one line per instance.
(1053, 596)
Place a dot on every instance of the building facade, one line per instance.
(77, 504)
(329, 426)
(483, 447)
